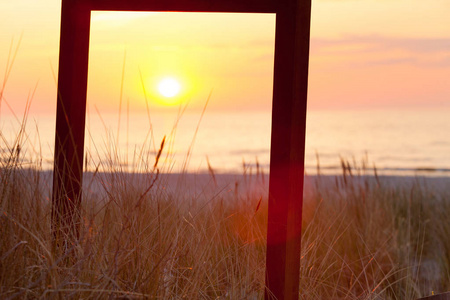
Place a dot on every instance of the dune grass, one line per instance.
(363, 236)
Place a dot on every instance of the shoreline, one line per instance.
(195, 184)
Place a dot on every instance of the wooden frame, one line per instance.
(288, 123)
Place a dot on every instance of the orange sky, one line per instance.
(364, 54)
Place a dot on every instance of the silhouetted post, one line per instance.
(70, 123)
(287, 149)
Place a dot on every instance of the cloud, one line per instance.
(381, 50)
(379, 43)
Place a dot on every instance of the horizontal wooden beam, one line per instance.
(232, 6)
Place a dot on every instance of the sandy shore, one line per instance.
(189, 184)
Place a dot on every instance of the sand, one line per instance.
(206, 185)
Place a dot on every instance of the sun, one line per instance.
(169, 87)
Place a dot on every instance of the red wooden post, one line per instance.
(287, 149)
(70, 122)
(288, 122)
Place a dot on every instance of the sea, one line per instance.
(394, 142)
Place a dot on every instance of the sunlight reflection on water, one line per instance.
(397, 142)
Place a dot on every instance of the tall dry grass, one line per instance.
(364, 237)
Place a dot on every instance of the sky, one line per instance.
(365, 54)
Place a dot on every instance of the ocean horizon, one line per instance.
(394, 142)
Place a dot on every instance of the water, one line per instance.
(397, 142)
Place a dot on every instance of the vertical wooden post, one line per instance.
(70, 123)
(287, 149)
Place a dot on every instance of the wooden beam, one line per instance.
(70, 123)
(287, 150)
(237, 6)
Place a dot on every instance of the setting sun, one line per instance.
(169, 87)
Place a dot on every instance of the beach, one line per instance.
(207, 184)
(166, 235)
(188, 217)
